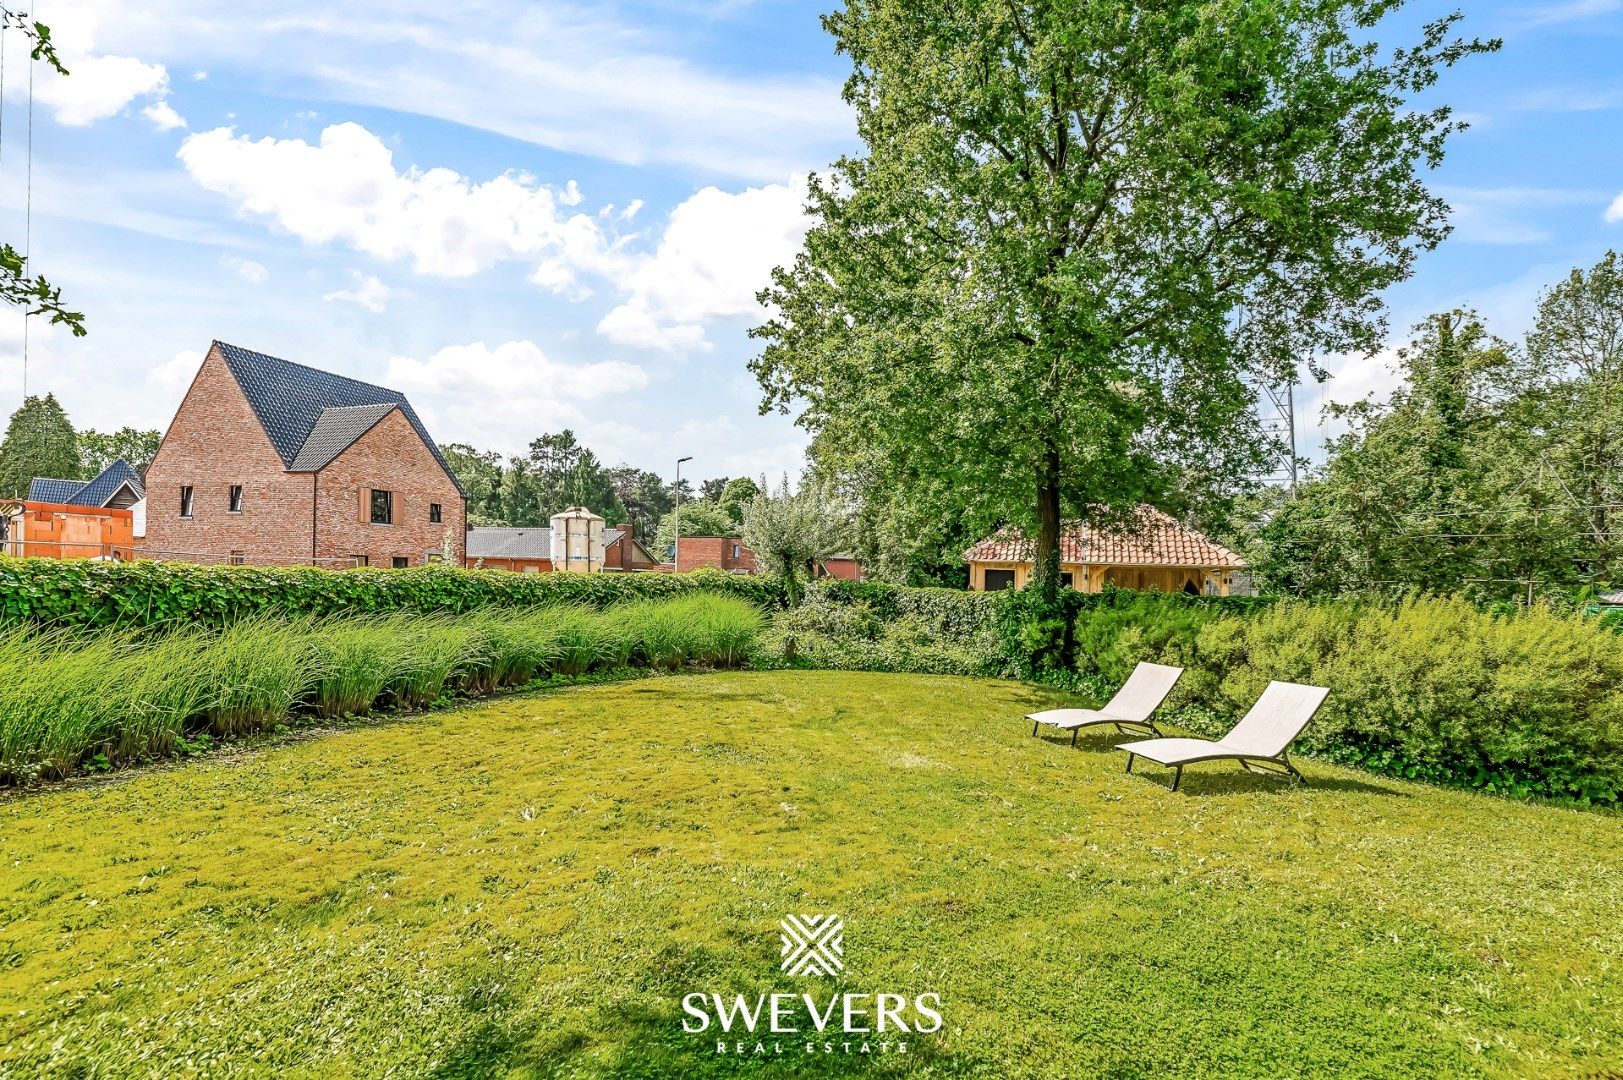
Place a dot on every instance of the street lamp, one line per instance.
(676, 552)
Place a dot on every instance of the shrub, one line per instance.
(79, 592)
(1526, 703)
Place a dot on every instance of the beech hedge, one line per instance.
(82, 593)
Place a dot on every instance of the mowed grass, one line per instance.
(528, 887)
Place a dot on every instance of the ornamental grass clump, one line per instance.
(56, 699)
(433, 652)
(255, 670)
(590, 640)
(514, 645)
(356, 659)
(160, 691)
(722, 630)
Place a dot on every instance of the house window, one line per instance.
(735, 551)
(236, 498)
(186, 502)
(382, 507)
(998, 580)
(238, 558)
(399, 562)
(434, 513)
(361, 560)
(1065, 580)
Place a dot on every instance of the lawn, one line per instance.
(531, 886)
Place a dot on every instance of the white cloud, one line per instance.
(506, 395)
(248, 270)
(100, 85)
(716, 253)
(369, 293)
(1614, 213)
(1550, 14)
(174, 375)
(163, 116)
(346, 189)
(1499, 215)
(584, 79)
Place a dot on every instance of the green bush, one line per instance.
(82, 593)
(875, 630)
(1529, 703)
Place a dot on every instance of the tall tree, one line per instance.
(645, 496)
(480, 474)
(736, 495)
(699, 518)
(98, 450)
(558, 473)
(711, 489)
(39, 442)
(1576, 348)
(1078, 230)
(34, 295)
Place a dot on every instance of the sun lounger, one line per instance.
(1134, 703)
(1260, 742)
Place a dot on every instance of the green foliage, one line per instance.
(1023, 292)
(871, 627)
(699, 518)
(791, 532)
(480, 474)
(124, 695)
(39, 441)
(1435, 689)
(557, 473)
(78, 592)
(98, 450)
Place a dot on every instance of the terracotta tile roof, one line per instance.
(1159, 541)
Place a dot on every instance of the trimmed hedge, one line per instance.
(81, 593)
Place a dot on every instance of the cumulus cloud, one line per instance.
(174, 375)
(1614, 213)
(346, 189)
(252, 272)
(101, 84)
(504, 395)
(369, 293)
(163, 116)
(716, 253)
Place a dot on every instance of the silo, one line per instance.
(577, 541)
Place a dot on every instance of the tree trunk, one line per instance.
(1045, 565)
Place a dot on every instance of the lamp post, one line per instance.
(676, 552)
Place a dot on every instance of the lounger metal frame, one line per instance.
(1274, 766)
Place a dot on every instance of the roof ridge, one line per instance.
(309, 367)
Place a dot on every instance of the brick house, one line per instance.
(271, 462)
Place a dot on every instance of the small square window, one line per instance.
(399, 562)
(382, 507)
(434, 513)
(236, 498)
(238, 558)
(186, 502)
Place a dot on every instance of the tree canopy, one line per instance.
(39, 442)
(98, 450)
(1078, 234)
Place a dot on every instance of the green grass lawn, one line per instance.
(530, 887)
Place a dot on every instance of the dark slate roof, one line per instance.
(288, 399)
(335, 430)
(100, 491)
(43, 489)
(508, 543)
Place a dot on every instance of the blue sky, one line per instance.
(537, 216)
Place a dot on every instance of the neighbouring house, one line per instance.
(76, 519)
(535, 550)
(731, 554)
(1158, 554)
(274, 463)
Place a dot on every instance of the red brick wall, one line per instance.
(716, 551)
(392, 457)
(213, 442)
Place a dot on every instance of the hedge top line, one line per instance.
(145, 593)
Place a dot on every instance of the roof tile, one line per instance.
(1158, 540)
